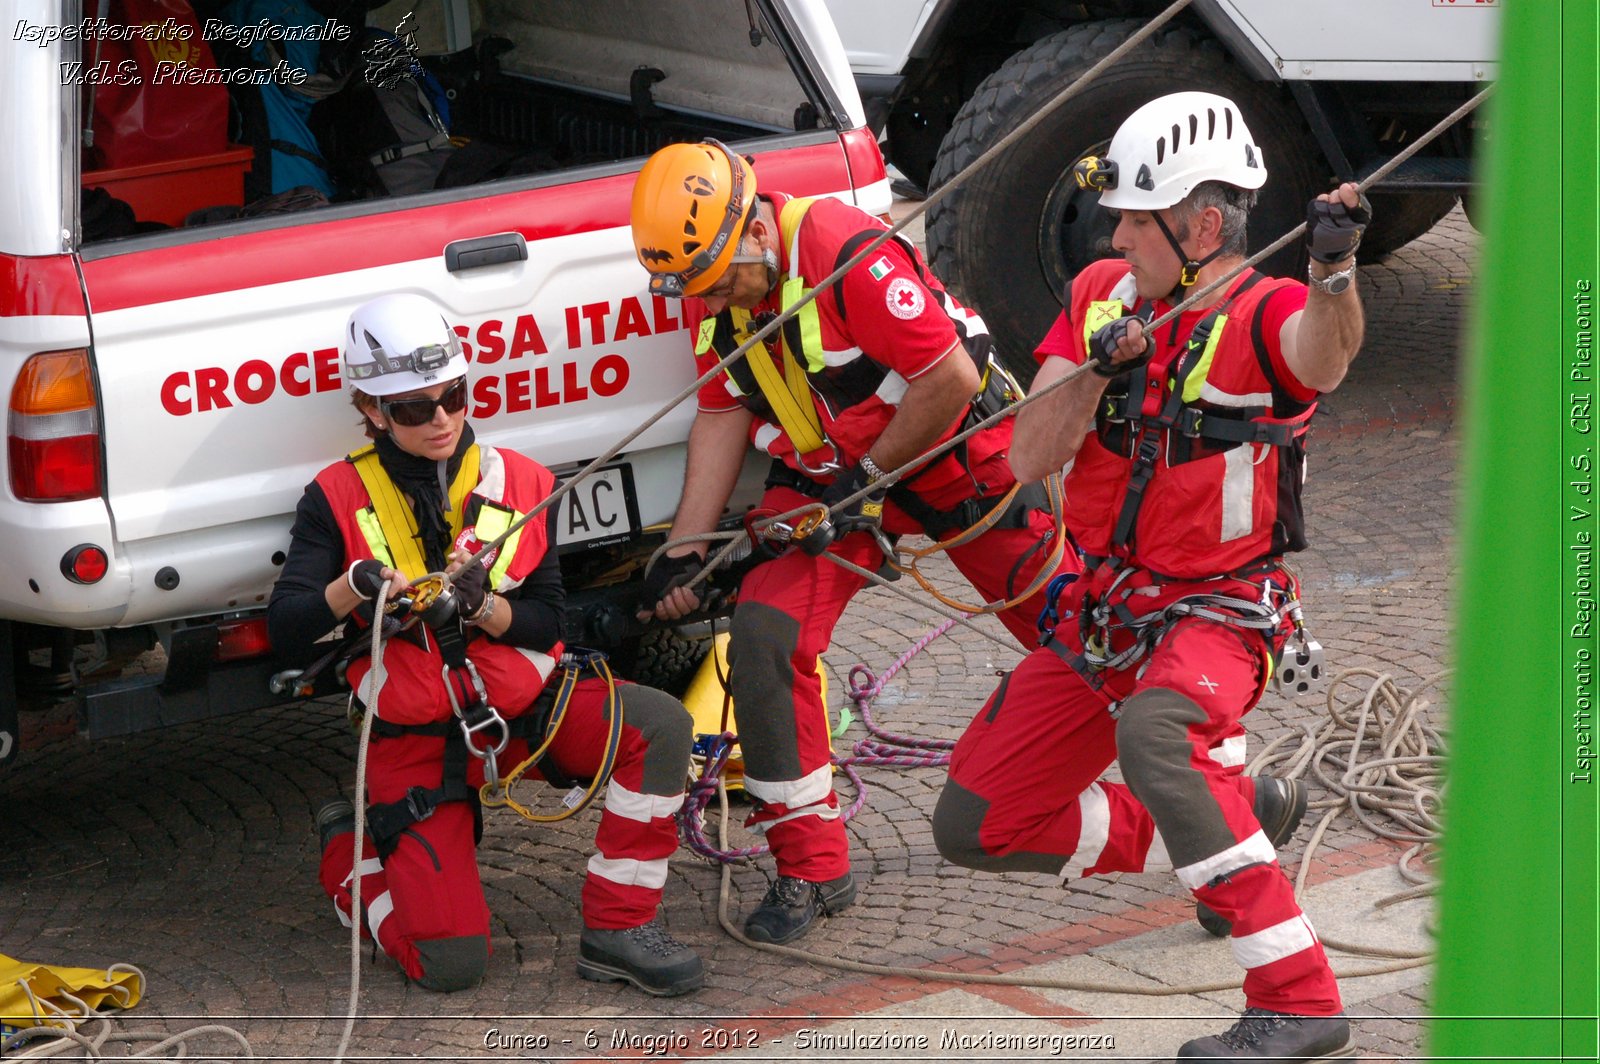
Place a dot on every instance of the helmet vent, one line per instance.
(691, 246)
(1177, 138)
(1227, 114)
(1250, 157)
(1144, 180)
(689, 229)
(1211, 124)
(1161, 153)
(1194, 129)
(694, 208)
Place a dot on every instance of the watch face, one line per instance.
(1336, 283)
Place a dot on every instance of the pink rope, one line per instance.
(878, 748)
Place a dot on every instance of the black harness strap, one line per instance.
(1152, 431)
(387, 822)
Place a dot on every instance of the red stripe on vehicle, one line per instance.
(310, 250)
(35, 285)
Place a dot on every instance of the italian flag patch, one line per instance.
(880, 269)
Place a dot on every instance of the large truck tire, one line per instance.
(1399, 218)
(1009, 240)
(666, 659)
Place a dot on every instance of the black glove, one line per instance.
(667, 573)
(366, 578)
(471, 587)
(865, 513)
(1103, 348)
(1333, 231)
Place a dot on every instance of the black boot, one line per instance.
(1280, 805)
(792, 904)
(645, 956)
(1264, 1035)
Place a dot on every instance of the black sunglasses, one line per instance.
(419, 411)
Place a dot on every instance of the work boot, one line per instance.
(1262, 1034)
(645, 956)
(1280, 805)
(336, 818)
(791, 904)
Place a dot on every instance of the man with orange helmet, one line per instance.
(862, 380)
(1187, 456)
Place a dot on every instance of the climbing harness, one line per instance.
(498, 793)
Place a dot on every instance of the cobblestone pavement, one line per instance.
(190, 852)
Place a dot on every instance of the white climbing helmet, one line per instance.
(400, 343)
(1171, 144)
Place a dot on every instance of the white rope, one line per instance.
(57, 1031)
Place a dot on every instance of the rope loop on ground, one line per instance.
(85, 1033)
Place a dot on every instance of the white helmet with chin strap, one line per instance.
(400, 343)
(1172, 144)
(1165, 150)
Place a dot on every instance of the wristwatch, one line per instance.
(1334, 283)
(870, 468)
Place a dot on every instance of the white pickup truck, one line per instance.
(173, 379)
(1330, 90)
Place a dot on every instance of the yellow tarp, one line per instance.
(704, 700)
(95, 987)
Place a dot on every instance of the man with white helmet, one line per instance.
(1185, 450)
(475, 680)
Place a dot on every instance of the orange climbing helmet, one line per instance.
(690, 206)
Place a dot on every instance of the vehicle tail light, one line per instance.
(238, 640)
(54, 429)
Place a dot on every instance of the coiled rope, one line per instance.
(85, 1032)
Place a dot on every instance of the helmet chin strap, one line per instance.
(1191, 267)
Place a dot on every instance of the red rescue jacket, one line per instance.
(508, 486)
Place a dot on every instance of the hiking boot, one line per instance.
(645, 956)
(791, 904)
(1262, 1034)
(1280, 805)
(336, 818)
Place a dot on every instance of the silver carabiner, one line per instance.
(827, 469)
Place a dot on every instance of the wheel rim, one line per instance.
(1073, 230)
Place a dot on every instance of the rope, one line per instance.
(58, 1030)
(375, 680)
(771, 327)
(1194, 299)
(1400, 736)
(1384, 763)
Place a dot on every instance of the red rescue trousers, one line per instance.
(785, 619)
(426, 897)
(1025, 790)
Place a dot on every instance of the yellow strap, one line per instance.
(396, 524)
(501, 796)
(788, 392)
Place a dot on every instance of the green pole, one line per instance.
(1518, 943)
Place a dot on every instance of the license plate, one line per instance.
(600, 511)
